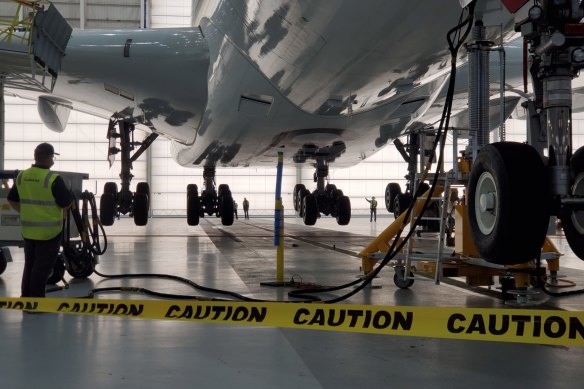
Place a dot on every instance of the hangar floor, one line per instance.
(70, 351)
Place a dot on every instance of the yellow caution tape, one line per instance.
(504, 325)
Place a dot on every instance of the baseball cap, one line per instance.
(45, 149)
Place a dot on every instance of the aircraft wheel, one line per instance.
(391, 190)
(193, 207)
(110, 187)
(573, 221)
(508, 203)
(344, 210)
(223, 190)
(398, 279)
(107, 209)
(58, 270)
(296, 196)
(401, 203)
(143, 187)
(423, 188)
(310, 213)
(226, 209)
(302, 193)
(140, 209)
(329, 189)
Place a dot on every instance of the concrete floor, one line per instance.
(69, 351)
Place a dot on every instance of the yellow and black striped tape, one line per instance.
(504, 325)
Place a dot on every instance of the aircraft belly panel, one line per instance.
(342, 57)
(233, 136)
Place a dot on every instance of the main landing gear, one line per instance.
(211, 201)
(114, 202)
(325, 199)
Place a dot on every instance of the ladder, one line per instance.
(413, 254)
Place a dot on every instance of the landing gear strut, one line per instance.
(211, 202)
(112, 202)
(325, 199)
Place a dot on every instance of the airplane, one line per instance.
(330, 83)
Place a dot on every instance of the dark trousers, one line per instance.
(39, 260)
(373, 214)
(246, 213)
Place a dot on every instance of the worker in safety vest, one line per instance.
(40, 196)
(373, 207)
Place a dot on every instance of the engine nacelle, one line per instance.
(54, 112)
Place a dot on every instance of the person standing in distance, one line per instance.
(40, 196)
(373, 208)
(246, 208)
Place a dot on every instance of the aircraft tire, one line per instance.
(193, 207)
(110, 187)
(223, 190)
(302, 193)
(423, 188)
(144, 187)
(401, 203)
(226, 209)
(296, 196)
(310, 210)
(573, 221)
(391, 190)
(140, 209)
(329, 189)
(107, 209)
(344, 210)
(508, 203)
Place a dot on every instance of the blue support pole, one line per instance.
(279, 221)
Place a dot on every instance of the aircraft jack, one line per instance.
(462, 260)
(515, 287)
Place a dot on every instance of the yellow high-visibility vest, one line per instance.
(40, 216)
